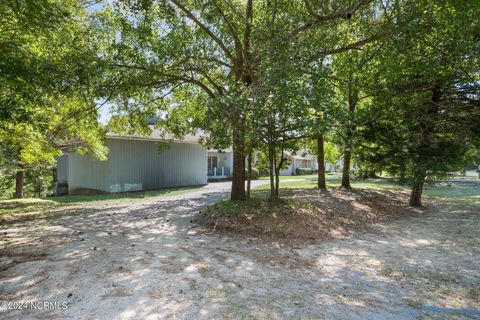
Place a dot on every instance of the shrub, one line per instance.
(255, 173)
(364, 174)
(305, 171)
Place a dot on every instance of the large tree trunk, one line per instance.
(417, 189)
(238, 177)
(271, 169)
(274, 195)
(278, 167)
(249, 178)
(277, 182)
(321, 183)
(347, 153)
(347, 157)
(19, 181)
(427, 133)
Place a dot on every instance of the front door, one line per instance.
(212, 163)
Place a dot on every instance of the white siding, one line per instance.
(288, 171)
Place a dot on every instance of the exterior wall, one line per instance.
(86, 173)
(329, 167)
(224, 159)
(135, 165)
(288, 171)
(62, 169)
(298, 163)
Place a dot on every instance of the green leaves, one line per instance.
(425, 98)
(49, 78)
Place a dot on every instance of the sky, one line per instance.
(104, 113)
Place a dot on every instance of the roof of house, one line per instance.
(226, 150)
(300, 155)
(158, 135)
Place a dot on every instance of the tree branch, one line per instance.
(202, 26)
(345, 13)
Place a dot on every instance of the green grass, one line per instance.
(123, 197)
(305, 177)
(16, 207)
(229, 207)
(256, 206)
(457, 193)
(469, 175)
(332, 181)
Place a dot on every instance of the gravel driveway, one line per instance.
(148, 261)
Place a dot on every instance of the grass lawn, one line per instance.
(306, 177)
(461, 193)
(329, 176)
(123, 197)
(15, 207)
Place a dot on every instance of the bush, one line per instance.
(364, 174)
(255, 173)
(7, 184)
(305, 171)
(39, 182)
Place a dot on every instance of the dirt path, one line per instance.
(148, 261)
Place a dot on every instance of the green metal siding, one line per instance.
(85, 172)
(134, 165)
(62, 169)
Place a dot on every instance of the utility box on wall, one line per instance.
(61, 188)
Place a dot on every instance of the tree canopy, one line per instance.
(392, 85)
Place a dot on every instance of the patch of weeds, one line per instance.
(193, 284)
(413, 303)
(297, 299)
(251, 207)
(280, 226)
(473, 292)
(43, 225)
(443, 288)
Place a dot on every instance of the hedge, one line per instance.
(305, 171)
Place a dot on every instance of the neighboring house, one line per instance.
(220, 164)
(135, 163)
(330, 167)
(301, 159)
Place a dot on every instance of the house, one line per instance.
(220, 164)
(299, 159)
(136, 163)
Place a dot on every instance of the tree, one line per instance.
(215, 51)
(323, 113)
(282, 121)
(47, 71)
(350, 69)
(426, 104)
